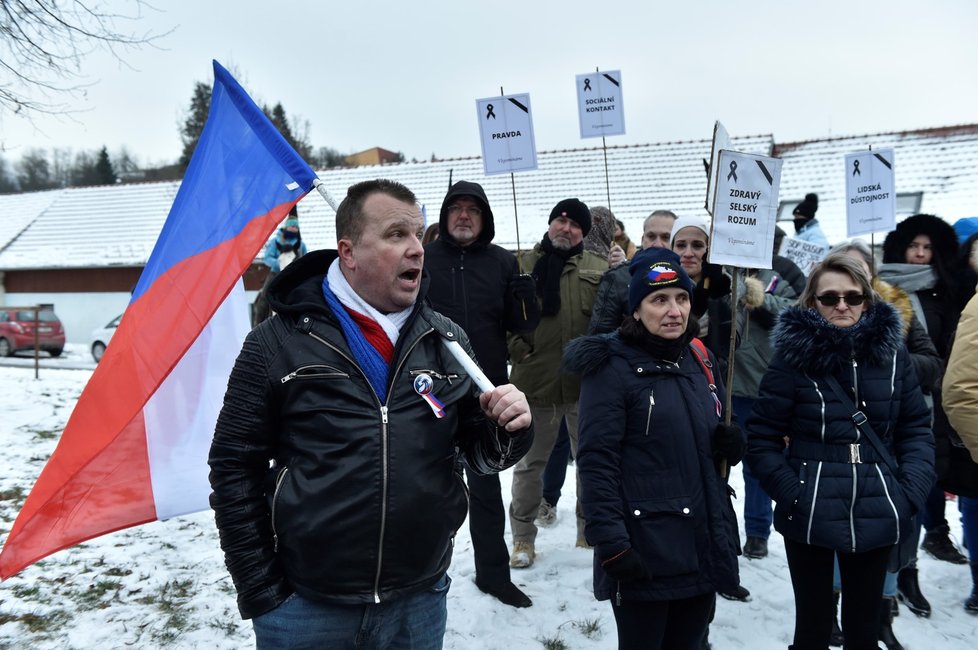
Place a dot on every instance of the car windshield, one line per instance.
(44, 316)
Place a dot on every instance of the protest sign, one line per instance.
(746, 210)
(870, 192)
(804, 254)
(599, 104)
(506, 129)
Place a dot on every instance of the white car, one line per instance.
(101, 337)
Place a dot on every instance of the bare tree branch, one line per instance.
(43, 44)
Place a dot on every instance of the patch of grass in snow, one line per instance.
(26, 592)
(589, 627)
(45, 624)
(171, 599)
(16, 494)
(46, 435)
(94, 596)
(553, 643)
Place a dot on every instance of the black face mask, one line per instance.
(800, 223)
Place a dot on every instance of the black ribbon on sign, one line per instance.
(489, 112)
(611, 79)
(883, 160)
(767, 174)
(733, 171)
(855, 168)
(587, 84)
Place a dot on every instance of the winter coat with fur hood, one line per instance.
(648, 479)
(822, 498)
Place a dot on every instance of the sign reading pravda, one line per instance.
(599, 104)
(745, 210)
(506, 130)
(870, 192)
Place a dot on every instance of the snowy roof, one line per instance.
(941, 164)
(119, 224)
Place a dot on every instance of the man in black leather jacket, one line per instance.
(336, 460)
(479, 286)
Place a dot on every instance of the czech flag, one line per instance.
(135, 448)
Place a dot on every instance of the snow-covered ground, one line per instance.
(164, 585)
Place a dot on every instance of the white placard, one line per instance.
(506, 129)
(804, 254)
(721, 140)
(599, 104)
(746, 210)
(870, 192)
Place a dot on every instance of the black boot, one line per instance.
(971, 605)
(908, 591)
(886, 626)
(938, 544)
(836, 639)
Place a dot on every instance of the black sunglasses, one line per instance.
(831, 299)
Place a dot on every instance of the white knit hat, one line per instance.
(703, 223)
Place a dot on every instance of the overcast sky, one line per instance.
(405, 75)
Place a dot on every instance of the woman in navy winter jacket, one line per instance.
(657, 511)
(834, 492)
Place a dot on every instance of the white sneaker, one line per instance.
(522, 556)
(546, 515)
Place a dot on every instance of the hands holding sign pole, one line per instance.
(745, 208)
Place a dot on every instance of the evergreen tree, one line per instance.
(193, 124)
(103, 169)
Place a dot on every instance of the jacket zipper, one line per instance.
(300, 371)
(855, 481)
(434, 373)
(648, 420)
(279, 480)
(383, 441)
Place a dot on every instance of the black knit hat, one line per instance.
(574, 210)
(807, 207)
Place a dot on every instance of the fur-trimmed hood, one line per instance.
(586, 354)
(942, 237)
(809, 343)
(898, 298)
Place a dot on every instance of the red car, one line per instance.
(17, 331)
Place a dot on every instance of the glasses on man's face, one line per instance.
(472, 210)
(832, 299)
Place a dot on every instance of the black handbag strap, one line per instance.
(862, 424)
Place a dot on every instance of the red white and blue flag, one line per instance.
(135, 448)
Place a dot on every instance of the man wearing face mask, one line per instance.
(806, 225)
(567, 280)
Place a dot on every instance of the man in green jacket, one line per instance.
(567, 280)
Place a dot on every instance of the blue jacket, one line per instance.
(648, 479)
(822, 498)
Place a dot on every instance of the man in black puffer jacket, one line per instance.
(366, 418)
(478, 285)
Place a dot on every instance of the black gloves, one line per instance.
(729, 442)
(523, 287)
(524, 306)
(627, 566)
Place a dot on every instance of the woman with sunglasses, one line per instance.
(842, 395)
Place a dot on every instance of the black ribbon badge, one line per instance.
(733, 171)
(855, 168)
(587, 84)
(489, 112)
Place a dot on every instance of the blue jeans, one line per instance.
(969, 525)
(758, 513)
(889, 582)
(556, 470)
(413, 622)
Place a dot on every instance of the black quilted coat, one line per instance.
(822, 498)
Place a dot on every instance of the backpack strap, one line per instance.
(703, 357)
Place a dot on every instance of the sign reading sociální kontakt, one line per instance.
(870, 192)
(745, 210)
(506, 129)
(599, 104)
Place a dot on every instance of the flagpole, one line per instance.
(321, 188)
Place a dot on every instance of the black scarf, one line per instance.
(547, 274)
(633, 333)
